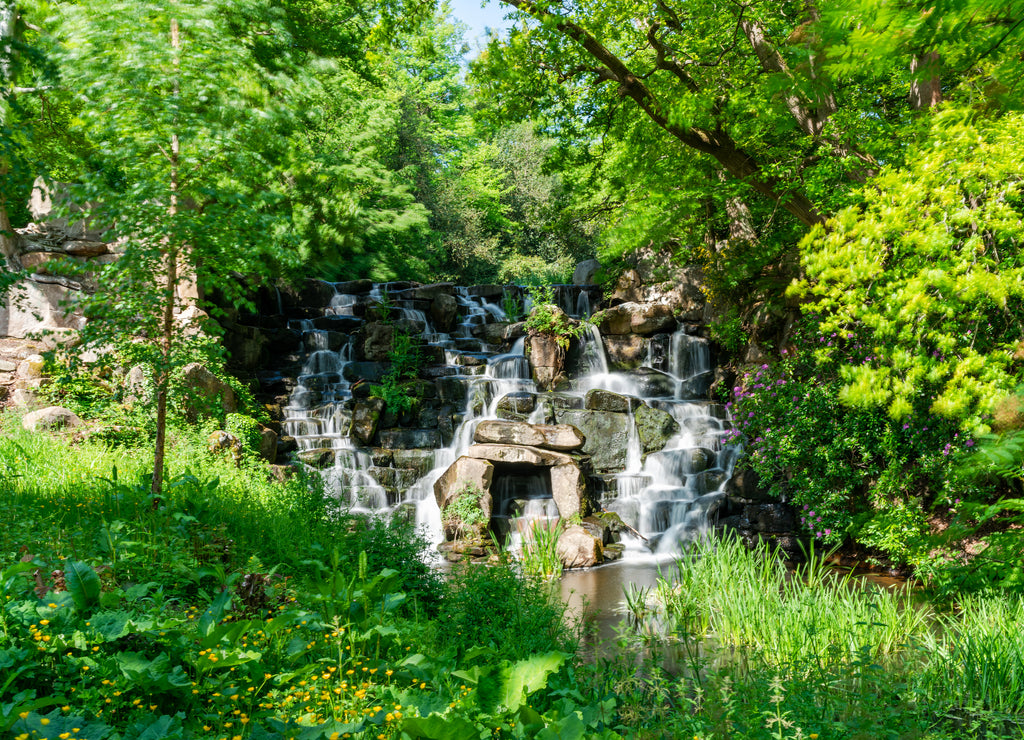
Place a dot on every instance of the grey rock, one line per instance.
(585, 272)
(602, 400)
(606, 434)
(52, 418)
(365, 419)
(654, 427)
(578, 548)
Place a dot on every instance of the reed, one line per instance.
(976, 657)
(810, 617)
(539, 555)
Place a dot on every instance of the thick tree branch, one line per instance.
(717, 144)
(665, 58)
(811, 121)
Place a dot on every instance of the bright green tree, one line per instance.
(930, 266)
(186, 130)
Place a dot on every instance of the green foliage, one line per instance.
(547, 318)
(929, 271)
(247, 429)
(850, 472)
(727, 330)
(988, 523)
(511, 306)
(539, 556)
(463, 511)
(806, 654)
(405, 365)
(499, 608)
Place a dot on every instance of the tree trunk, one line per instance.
(926, 85)
(167, 338)
(8, 16)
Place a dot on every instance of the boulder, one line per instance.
(371, 372)
(354, 287)
(569, 490)
(547, 359)
(137, 385)
(585, 272)
(268, 444)
(31, 367)
(420, 461)
(637, 318)
(85, 248)
(51, 418)
(365, 418)
(221, 441)
(341, 324)
(768, 518)
(628, 288)
(602, 400)
(516, 405)
(625, 351)
(320, 458)
(606, 434)
(34, 307)
(560, 437)
(375, 342)
(409, 438)
(466, 471)
(205, 393)
(578, 548)
(433, 292)
(568, 483)
(654, 427)
(444, 310)
(650, 382)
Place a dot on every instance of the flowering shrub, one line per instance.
(849, 471)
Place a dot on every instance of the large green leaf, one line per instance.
(436, 727)
(82, 583)
(521, 679)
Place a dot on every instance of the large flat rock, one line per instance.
(558, 437)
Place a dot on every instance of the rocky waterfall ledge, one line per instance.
(628, 448)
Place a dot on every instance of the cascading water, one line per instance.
(665, 497)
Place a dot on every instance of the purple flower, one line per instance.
(828, 532)
(750, 415)
(969, 443)
(906, 426)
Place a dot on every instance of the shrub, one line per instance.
(849, 471)
(497, 607)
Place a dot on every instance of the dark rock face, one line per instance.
(465, 377)
(607, 435)
(654, 427)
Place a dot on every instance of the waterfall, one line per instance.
(664, 495)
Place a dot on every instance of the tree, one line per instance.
(798, 102)
(187, 131)
(930, 269)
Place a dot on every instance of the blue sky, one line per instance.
(478, 18)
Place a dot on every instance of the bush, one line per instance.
(850, 472)
(497, 607)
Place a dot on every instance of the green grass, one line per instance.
(238, 607)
